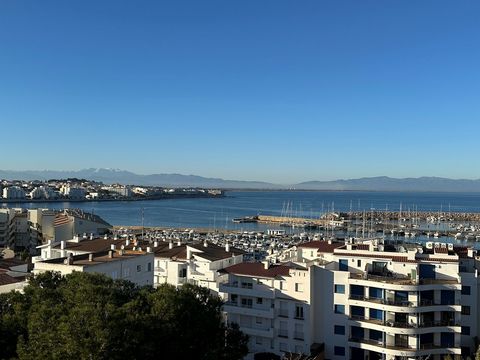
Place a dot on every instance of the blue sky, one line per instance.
(280, 91)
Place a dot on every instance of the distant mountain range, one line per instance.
(381, 183)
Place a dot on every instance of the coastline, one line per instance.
(147, 198)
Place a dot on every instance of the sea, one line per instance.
(217, 213)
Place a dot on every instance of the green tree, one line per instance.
(90, 316)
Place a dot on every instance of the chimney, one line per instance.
(62, 244)
(90, 257)
(149, 249)
(227, 247)
(69, 259)
(105, 236)
(127, 242)
(170, 245)
(84, 236)
(155, 243)
(91, 236)
(179, 243)
(112, 246)
(266, 264)
(329, 241)
(115, 237)
(110, 254)
(205, 244)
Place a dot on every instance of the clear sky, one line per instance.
(281, 91)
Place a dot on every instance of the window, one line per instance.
(339, 309)
(258, 320)
(465, 310)
(343, 265)
(359, 263)
(139, 268)
(357, 312)
(339, 289)
(298, 287)
(126, 272)
(259, 301)
(283, 347)
(465, 290)
(282, 285)
(339, 351)
(247, 303)
(258, 340)
(376, 314)
(149, 267)
(299, 311)
(246, 285)
(114, 275)
(182, 273)
(339, 330)
(465, 330)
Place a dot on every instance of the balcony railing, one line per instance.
(405, 325)
(400, 279)
(298, 335)
(424, 302)
(283, 333)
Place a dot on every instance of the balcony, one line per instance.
(283, 333)
(248, 309)
(298, 335)
(397, 279)
(254, 290)
(257, 331)
(282, 313)
(405, 325)
(401, 303)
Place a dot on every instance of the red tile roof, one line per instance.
(321, 246)
(258, 270)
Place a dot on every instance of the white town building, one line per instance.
(13, 193)
(134, 266)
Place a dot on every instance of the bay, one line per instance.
(219, 212)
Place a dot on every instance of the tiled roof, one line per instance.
(321, 246)
(258, 270)
(8, 263)
(6, 279)
(98, 257)
(175, 253)
(213, 252)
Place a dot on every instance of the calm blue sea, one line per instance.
(218, 213)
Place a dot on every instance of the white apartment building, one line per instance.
(273, 305)
(71, 222)
(400, 302)
(119, 190)
(196, 264)
(134, 266)
(363, 299)
(73, 193)
(43, 192)
(13, 192)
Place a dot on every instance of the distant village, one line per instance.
(86, 190)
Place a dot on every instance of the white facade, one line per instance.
(195, 264)
(272, 304)
(13, 192)
(73, 193)
(363, 300)
(134, 266)
(43, 192)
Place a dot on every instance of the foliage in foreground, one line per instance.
(90, 316)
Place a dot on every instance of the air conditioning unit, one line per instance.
(429, 245)
(450, 247)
